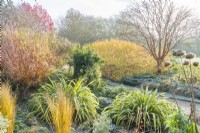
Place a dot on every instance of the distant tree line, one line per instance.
(82, 29)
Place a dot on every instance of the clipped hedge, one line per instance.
(123, 59)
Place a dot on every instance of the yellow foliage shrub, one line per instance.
(7, 105)
(123, 59)
(27, 56)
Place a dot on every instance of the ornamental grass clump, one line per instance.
(8, 105)
(143, 110)
(83, 100)
(61, 112)
(188, 70)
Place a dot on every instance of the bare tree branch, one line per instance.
(158, 26)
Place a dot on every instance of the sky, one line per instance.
(97, 8)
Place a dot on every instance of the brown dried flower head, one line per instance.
(179, 53)
(168, 63)
(196, 63)
(190, 56)
(186, 62)
(174, 52)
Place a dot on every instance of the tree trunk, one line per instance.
(159, 67)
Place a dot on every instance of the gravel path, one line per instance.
(185, 106)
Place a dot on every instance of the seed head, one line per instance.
(174, 52)
(190, 56)
(186, 62)
(179, 53)
(196, 63)
(168, 63)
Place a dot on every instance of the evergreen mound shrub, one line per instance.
(103, 124)
(86, 64)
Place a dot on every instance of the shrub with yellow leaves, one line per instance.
(123, 59)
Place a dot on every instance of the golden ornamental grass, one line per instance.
(123, 59)
(8, 105)
(61, 111)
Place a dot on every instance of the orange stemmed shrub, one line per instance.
(123, 59)
(26, 56)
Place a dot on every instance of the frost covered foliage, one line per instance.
(102, 124)
(4, 123)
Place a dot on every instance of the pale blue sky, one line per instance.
(57, 8)
(103, 8)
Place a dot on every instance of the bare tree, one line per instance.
(158, 26)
